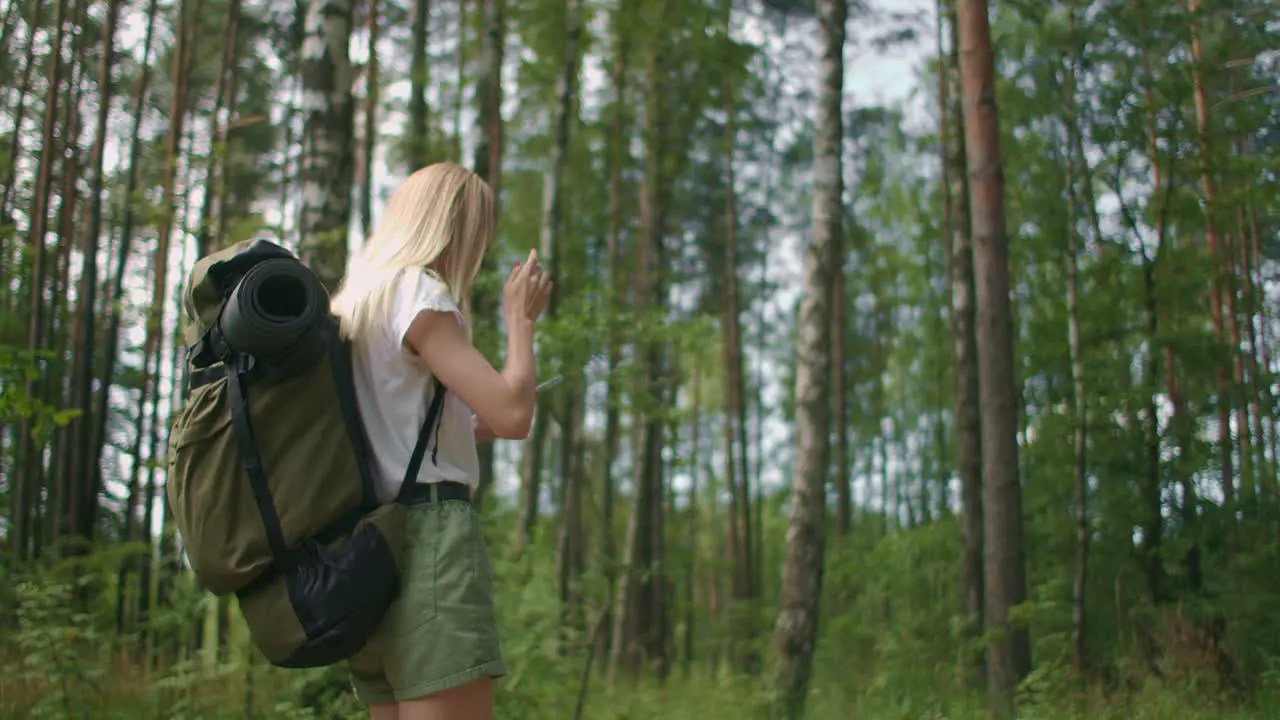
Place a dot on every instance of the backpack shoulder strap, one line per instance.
(251, 460)
(344, 385)
(432, 421)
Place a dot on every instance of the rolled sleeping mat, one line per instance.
(273, 306)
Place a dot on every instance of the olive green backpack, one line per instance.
(270, 475)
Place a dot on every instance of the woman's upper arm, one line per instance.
(439, 339)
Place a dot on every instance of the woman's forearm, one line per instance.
(520, 371)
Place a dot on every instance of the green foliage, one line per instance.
(53, 640)
(888, 649)
(19, 369)
(890, 644)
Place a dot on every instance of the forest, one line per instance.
(918, 354)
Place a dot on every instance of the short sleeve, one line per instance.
(417, 292)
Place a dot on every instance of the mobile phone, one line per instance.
(550, 383)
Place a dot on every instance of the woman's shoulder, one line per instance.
(416, 286)
(419, 290)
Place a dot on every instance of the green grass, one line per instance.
(120, 690)
(888, 651)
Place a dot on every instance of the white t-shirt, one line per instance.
(393, 387)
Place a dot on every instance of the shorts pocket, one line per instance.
(418, 601)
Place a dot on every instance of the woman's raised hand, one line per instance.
(527, 291)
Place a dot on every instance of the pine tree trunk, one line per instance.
(183, 57)
(1218, 258)
(488, 165)
(218, 131)
(640, 626)
(372, 81)
(968, 437)
(531, 478)
(735, 537)
(840, 407)
(112, 336)
(692, 518)
(57, 390)
(1079, 399)
(7, 24)
(1259, 339)
(81, 472)
(618, 154)
(1008, 654)
(460, 60)
(1152, 521)
(419, 138)
(30, 475)
(556, 250)
(33, 22)
(796, 633)
(1251, 385)
(226, 194)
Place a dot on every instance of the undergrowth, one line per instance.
(889, 649)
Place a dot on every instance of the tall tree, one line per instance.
(419, 134)
(369, 143)
(328, 135)
(641, 622)
(968, 432)
(796, 633)
(1079, 401)
(81, 471)
(556, 248)
(488, 165)
(1009, 652)
(618, 160)
(1218, 288)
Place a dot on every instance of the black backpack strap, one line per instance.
(433, 420)
(249, 457)
(340, 365)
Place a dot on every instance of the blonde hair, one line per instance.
(441, 220)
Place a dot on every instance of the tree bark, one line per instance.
(1217, 257)
(56, 391)
(369, 145)
(328, 150)
(81, 472)
(218, 130)
(19, 112)
(1079, 402)
(737, 476)
(488, 165)
(555, 249)
(1008, 654)
(459, 78)
(112, 335)
(796, 633)
(30, 473)
(641, 623)
(618, 155)
(1259, 339)
(968, 436)
(840, 406)
(419, 137)
(182, 63)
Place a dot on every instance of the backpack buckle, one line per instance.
(243, 363)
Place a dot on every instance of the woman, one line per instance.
(404, 305)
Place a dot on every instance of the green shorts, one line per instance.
(440, 632)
